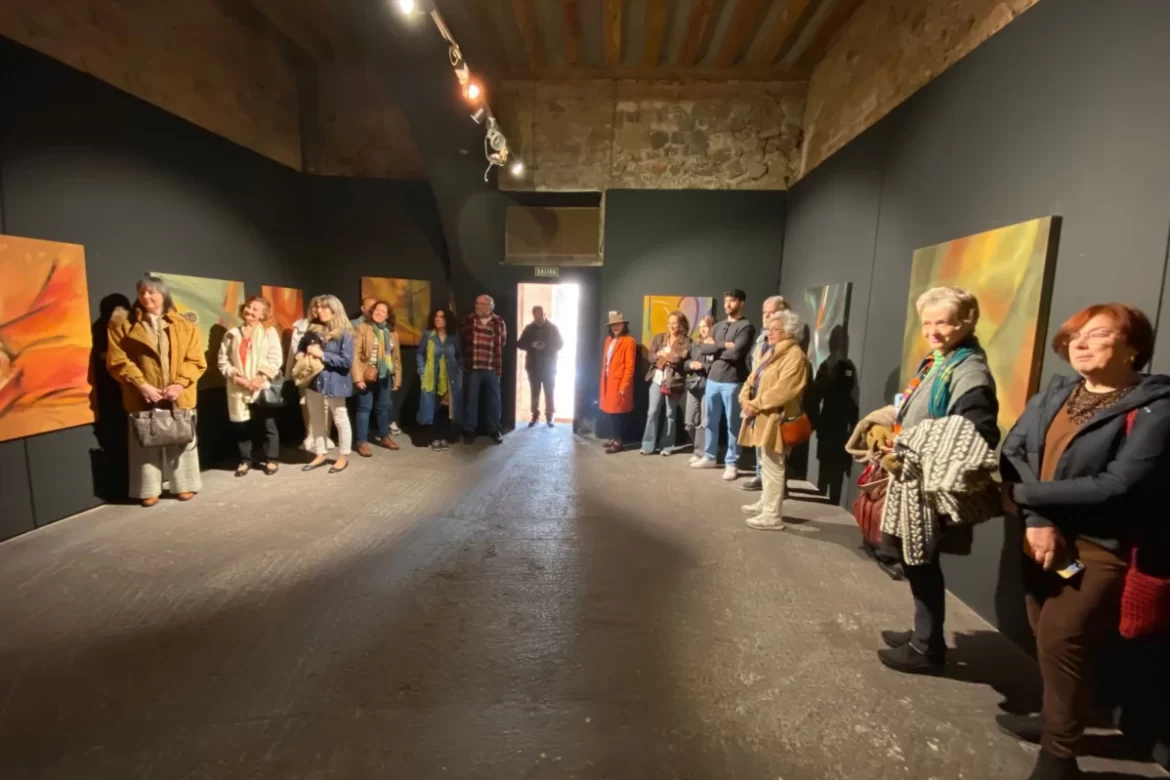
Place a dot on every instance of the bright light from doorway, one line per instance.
(561, 304)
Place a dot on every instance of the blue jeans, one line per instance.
(482, 380)
(658, 402)
(722, 402)
(376, 398)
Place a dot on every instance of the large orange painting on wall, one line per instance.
(45, 337)
(1009, 270)
(288, 306)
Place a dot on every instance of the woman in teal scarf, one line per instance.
(954, 379)
(440, 370)
(377, 372)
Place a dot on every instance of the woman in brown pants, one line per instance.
(1081, 468)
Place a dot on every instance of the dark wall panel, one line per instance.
(16, 511)
(684, 242)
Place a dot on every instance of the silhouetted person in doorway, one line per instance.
(541, 341)
(836, 414)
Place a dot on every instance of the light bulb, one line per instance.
(517, 168)
(473, 91)
(406, 6)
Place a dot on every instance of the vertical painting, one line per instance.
(827, 311)
(45, 337)
(410, 299)
(212, 304)
(656, 311)
(1010, 271)
(288, 306)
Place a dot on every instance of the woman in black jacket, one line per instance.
(1080, 468)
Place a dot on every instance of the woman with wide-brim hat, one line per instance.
(618, 359)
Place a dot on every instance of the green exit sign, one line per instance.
(547, 272)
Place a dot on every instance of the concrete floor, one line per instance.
(534, 610)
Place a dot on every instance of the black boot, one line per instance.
(1050, 767)
(1026, 728)
(911, 660)
(897, 638)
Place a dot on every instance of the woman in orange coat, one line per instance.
(618, 359)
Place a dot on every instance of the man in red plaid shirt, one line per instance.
(483, 334)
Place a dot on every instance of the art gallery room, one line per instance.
(405, 388)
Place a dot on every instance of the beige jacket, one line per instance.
(263, 359)
(782, 383)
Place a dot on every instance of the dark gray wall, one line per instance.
(142, 191)
(1051, 116)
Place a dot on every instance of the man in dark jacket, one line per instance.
(541, 340)
(733, 342)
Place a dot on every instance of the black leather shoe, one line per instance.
(532, 423)
(315, 466)
(1050, 767)
(911, 660)
(897, 638)
(1026, 728)
(551, 424)
(497, 438)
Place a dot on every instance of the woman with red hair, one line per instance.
(1082, 467)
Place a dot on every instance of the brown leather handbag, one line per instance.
(796, 431)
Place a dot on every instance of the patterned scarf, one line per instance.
(940, 390)
(386, 338)
(436, 382)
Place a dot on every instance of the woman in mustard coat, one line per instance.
(618, 360)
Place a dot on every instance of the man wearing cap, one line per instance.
(483, 333)
(733, 342)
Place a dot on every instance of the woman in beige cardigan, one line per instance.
(770, 396)
(249, 358)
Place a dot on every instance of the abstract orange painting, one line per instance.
(1009, 270)
(45, 337)
(288, 306)
(410, 299)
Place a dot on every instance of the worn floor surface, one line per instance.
(534, 610)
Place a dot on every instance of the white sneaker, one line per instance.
(704, 463)
(695, 458)
(751, 509)
(765, 523)
(730, 473)
(394, 429)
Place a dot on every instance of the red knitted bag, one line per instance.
(1145, 598)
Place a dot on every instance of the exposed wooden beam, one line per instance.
(743, 27)
(277, 14)
(661, 73)
(612, 30)
(572, 9)
(486, 33)
(825, 35)
(782, 32)
(655, 31)
(526, 20)
(697, 25)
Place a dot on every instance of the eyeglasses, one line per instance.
(1094, 337)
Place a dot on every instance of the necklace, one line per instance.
(1082, 404)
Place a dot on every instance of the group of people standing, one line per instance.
(723, 377)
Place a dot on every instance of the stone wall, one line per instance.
(629, 134)
(865, 76)
(194, 59)
(360, 129)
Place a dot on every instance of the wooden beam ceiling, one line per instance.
(572, 11)
(740, 32)
(487, 35)
(830, 27)
(663, 72)
(697, 24)
(655, 31)
(526, 21)
(612, 28)
(782, 32)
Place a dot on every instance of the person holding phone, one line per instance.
(1082, 467)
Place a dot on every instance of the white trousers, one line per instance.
(773, 476)
(321, 409)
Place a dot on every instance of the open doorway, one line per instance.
(561, 304)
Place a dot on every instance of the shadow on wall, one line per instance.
(108, 461)
(833, 408)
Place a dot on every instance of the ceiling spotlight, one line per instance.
(517, 168)
(479, 114)
(406, 6)
(472, 91)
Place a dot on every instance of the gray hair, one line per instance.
(160, 286)
(962, 303)
(777, 301)
(789, 321)
(491, 301)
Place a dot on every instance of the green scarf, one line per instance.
(382, 332)
(432, 381)
(940, 389)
